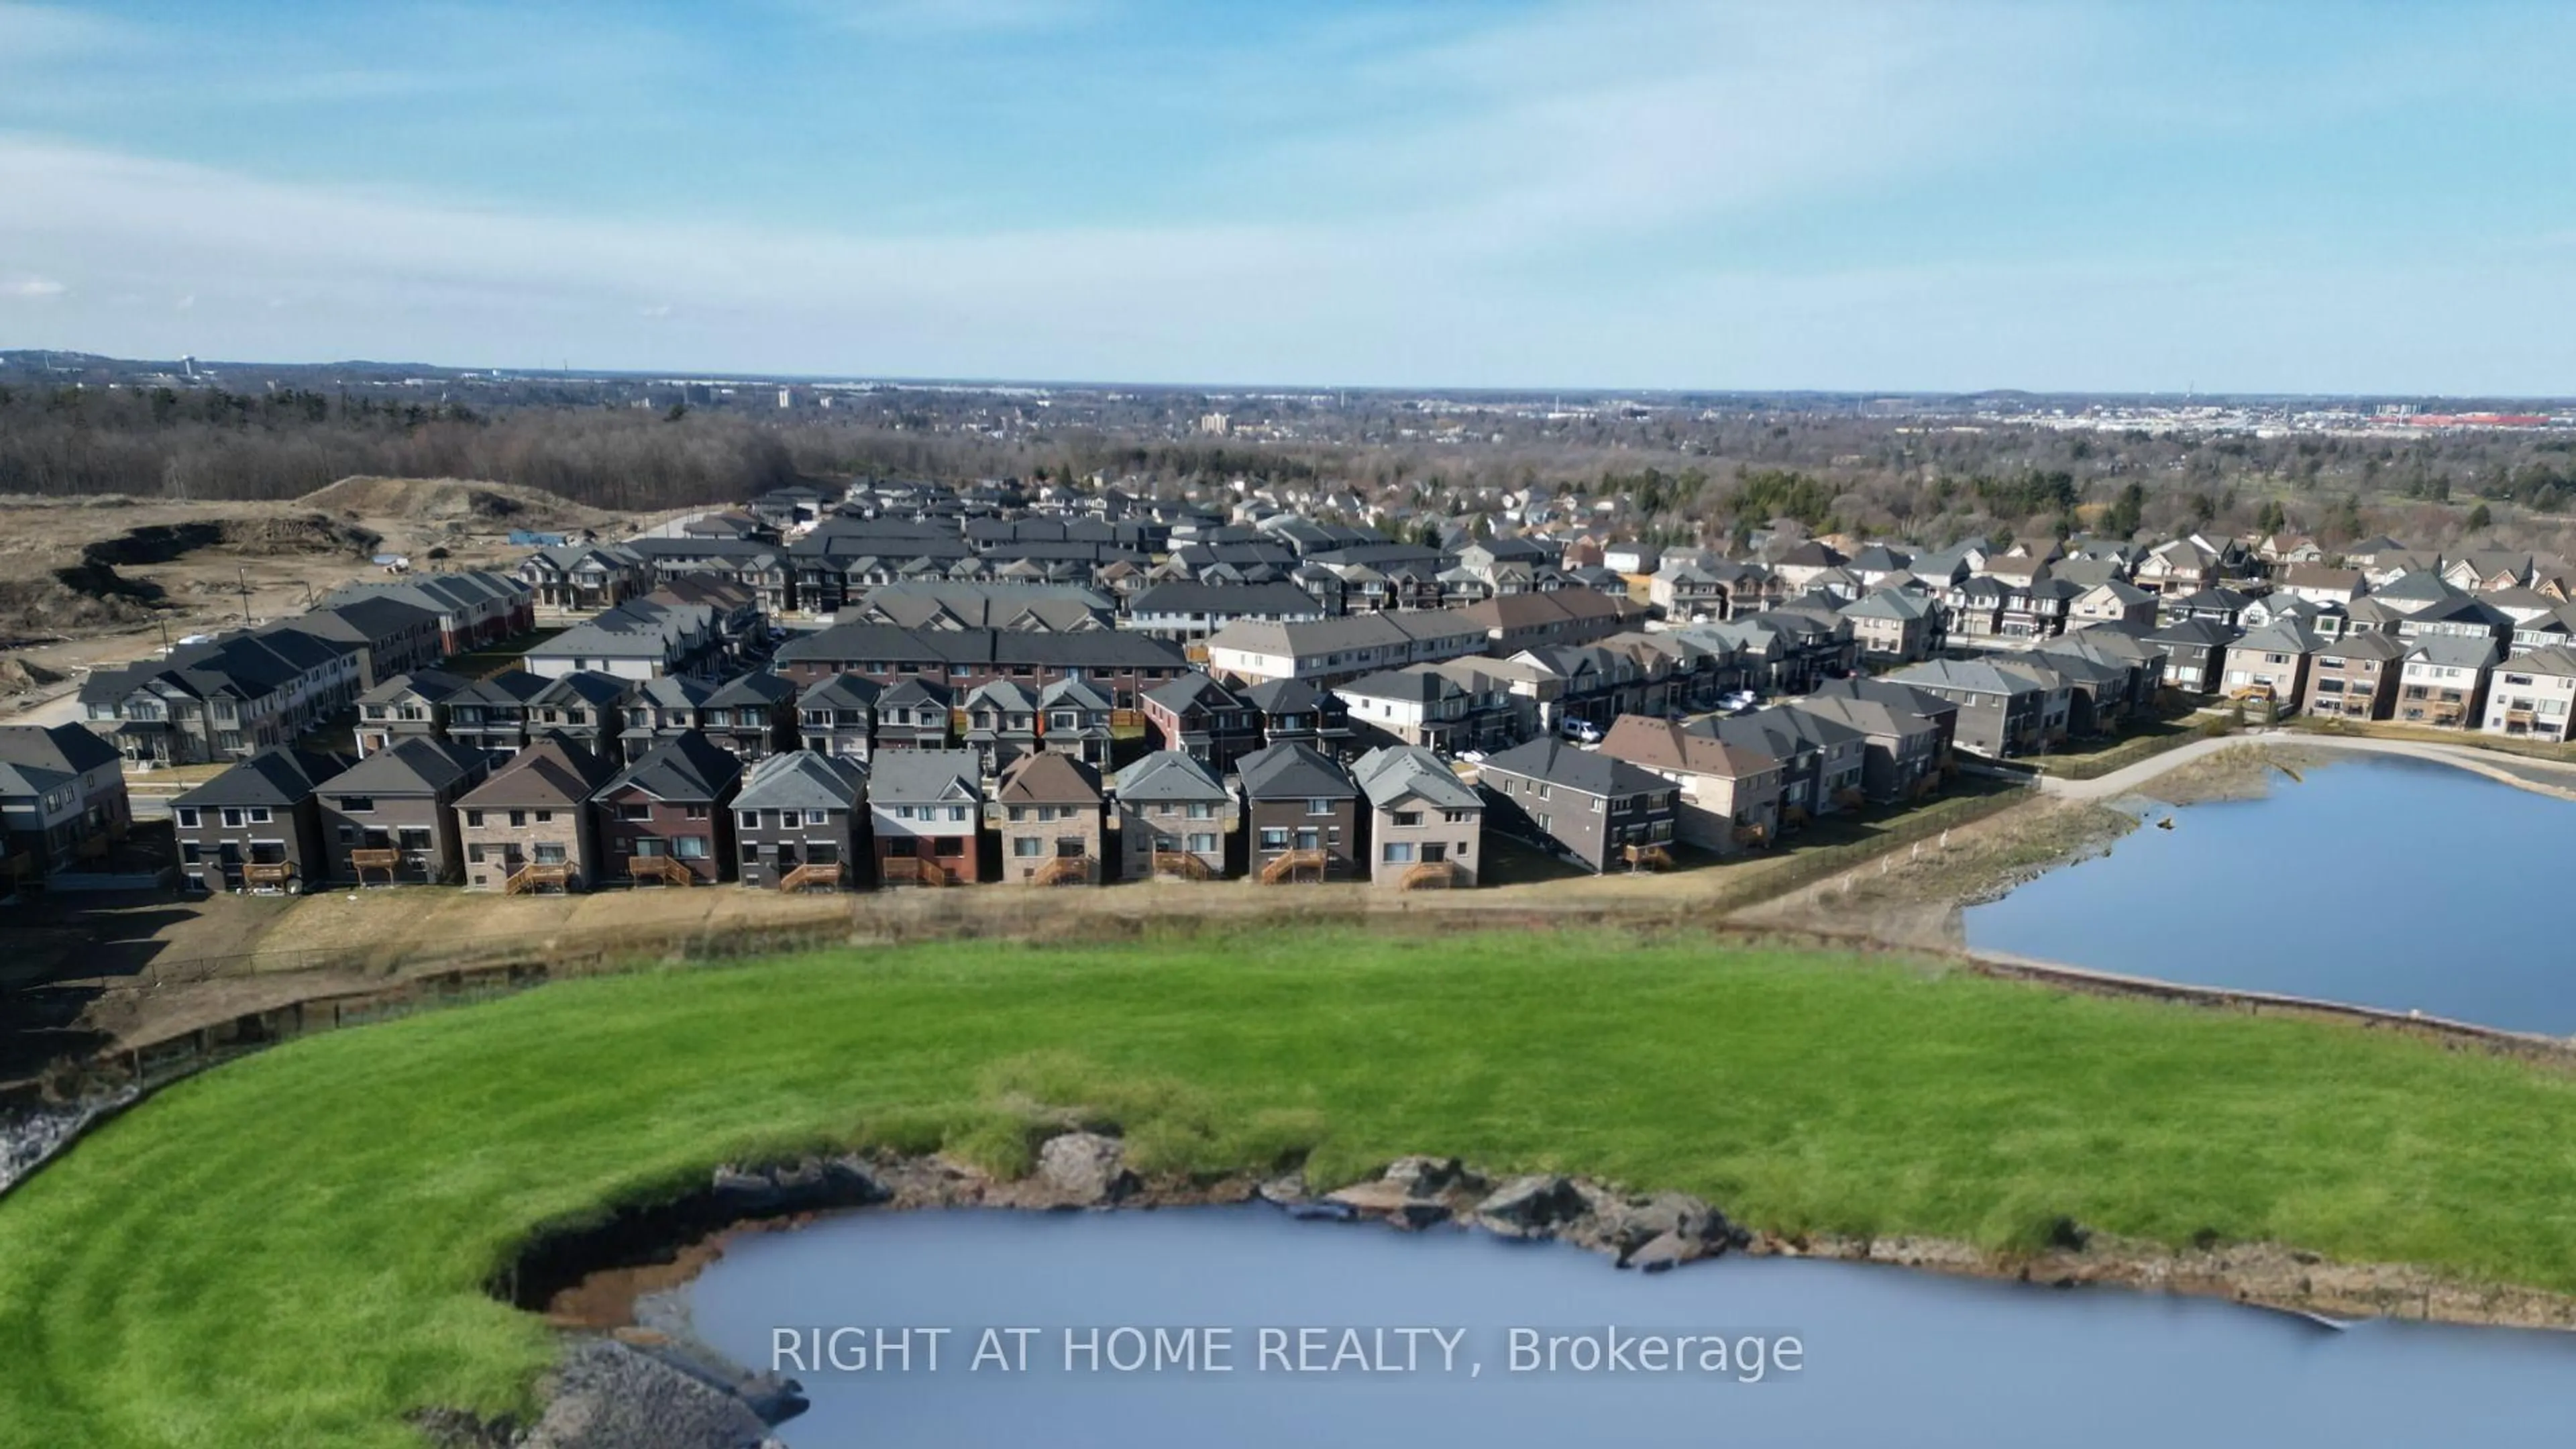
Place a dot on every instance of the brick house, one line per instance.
(407, 706)
(665, 818)
(1728, 793)
(2356, 677)
(389, 816)
(1303, 813)
(1426, 826)
(1175, 813)
(1204, 718)
(1048, 811)
(258, 825)
(528, 828)
(801, 820)
(926, 814)
(1597, 808)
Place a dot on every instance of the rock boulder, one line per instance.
(1086, 1168)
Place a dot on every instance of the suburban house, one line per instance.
(390, 815)
(2116, 602)
(528, 828)
(1074, 719)
(913, 715)
(1729, 793)
(2195, 652)
(2003, 710)
(1121, 665)
(2443, 682)
(800, 821)
(62, 797)
(1204, 718)
(666, 818)
(926, 813)
(1820, 759)
(754, 716)
(836, 716)
(2271, 664)
(1903, 699)
(584, 577)
(1174, 815)
(1049, 814)
(258, 825)
(2357, 677)
(1424, 822)
(661, 709)
(1303, 813)
(1900, 750)
(491, 715)
(585, 707)
(1328, 651)
(2531, 696)
(474, 609)
(389, 636)
(1294, 711)
(225, 699)
(1895, 624)
(1001, 723)
(1598, 808)
(406, 706)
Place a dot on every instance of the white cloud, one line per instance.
(31, 287)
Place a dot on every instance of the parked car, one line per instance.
(1581, 731)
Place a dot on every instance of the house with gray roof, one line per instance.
(1175, 816)
(2533, 696)
(665, 818)
(836, 715)
(926, 815)
(1426, 826)
(388, 817)
(1598, 810)
(753, 715)
(1304, 815)
(1896, 625)
(62, 796)
(801, 821)
(2003, 710)
(528, 828)
(258, 825)
(2442, 684)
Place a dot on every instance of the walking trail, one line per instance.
(2546, 777)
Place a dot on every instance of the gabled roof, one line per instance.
(1974, 676)
(753, 689)
(2454, 651)
(1171, 775)
(674, 691)
(1664, 745)
(2195, 632)
(275, 776)
(1587, 772)
(913, 691)
(412, 765)
(1048, 778)
(915, 777)
(1284, 696)
(840, 691)
(2280, 638)
(68, 748)
(1195, 689)
(1073, 694)
(1393, 772)
(1292, 771)
(803, 780)
(552, 770)
(688, 768)
(2365, 645)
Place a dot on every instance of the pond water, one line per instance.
(1884, 1356)
(2385, 882)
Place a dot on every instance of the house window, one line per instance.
(694, 812)
(1408, 817)
(1028, 845)
(956, 812)
(518, 818)
(1397, 852)
(357, 805)
(690, 847)
(1319, 807)
(474, 854)
(1202, 842)
(1273, 838)
(750, 852)
(474, 821)
(751, 820)
(187, 817)
(259, 815)
(549, 853)
(1199, 810)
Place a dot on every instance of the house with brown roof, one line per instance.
(527, 829)
(1729, 792)
(1048, 812)
(388, 815)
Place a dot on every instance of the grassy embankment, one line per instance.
(289, 1250)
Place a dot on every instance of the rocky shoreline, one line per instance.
(635, 1376)
(32, 1136)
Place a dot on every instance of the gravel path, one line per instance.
(2542, 776)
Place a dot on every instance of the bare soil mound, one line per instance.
(449, 500)
(257, 536)
(17, 676)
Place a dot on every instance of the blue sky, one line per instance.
(2257, 196)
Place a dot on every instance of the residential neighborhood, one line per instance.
(913, 685)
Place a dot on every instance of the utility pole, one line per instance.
(243, 575)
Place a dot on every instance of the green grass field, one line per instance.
(288, 1251)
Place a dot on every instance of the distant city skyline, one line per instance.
(2291, 198)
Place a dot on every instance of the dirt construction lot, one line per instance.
(97, 581)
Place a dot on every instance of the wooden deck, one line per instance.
(1430, 875)
(663, 868)
(1065, 870)
(810, 875)
(1188, 865)
(527, 879)
(1288, 866)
